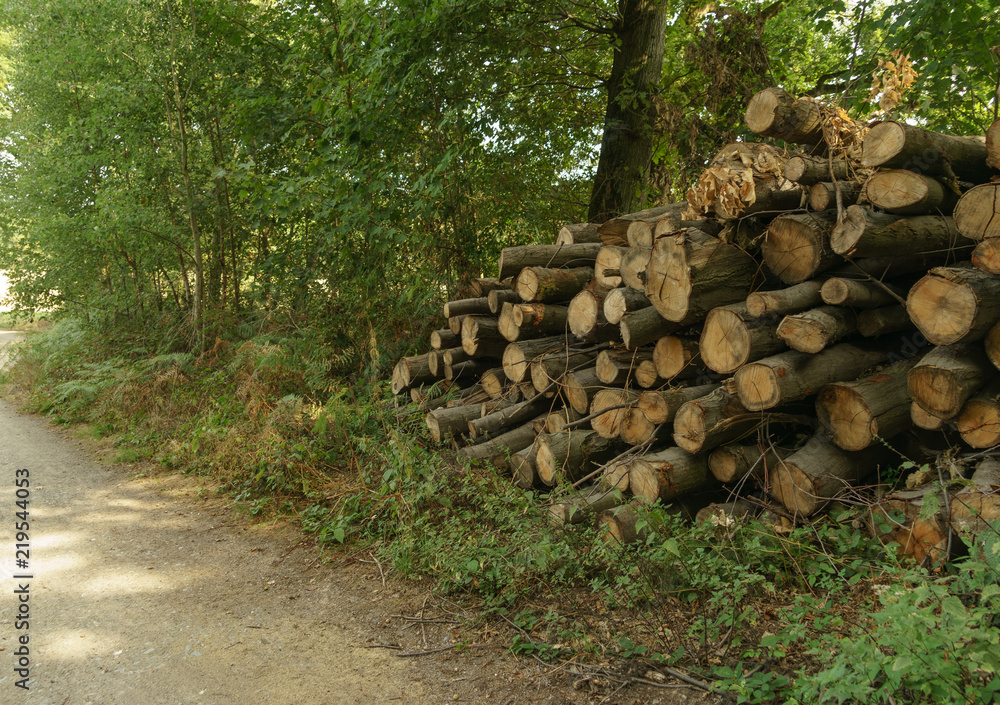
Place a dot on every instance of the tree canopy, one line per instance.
(209, 161)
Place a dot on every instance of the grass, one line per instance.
(811, 615)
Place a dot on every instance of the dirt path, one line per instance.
(151, 591)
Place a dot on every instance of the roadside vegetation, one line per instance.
(815, 614)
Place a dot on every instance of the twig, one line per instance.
(445, 648)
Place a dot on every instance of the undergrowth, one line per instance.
(818, 614)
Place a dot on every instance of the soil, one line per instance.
(148, 588)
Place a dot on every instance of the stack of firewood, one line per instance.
(779, 332)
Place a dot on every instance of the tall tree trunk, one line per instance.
(627, 144)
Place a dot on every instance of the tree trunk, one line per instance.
(677, 357)
(517, 357)
(824, 196)
(858, 413)
(954, 304)
(467, 307)
(525, 321)
(993, 145)
(880, 321)
(551, 367)
(498, 449)
(986, 256)
(607, 266)
(620, 184)
(498, 297)
(668, 474)
(776, 113)
(578, 233)
(609, 423)
(570, 455)
(806, 170)
(513, 415)
(585, 506)
(660, 405)
(544, 284)
(900, 146)
(616, 368)
(798, 246)
(644, 326)
(813, 330)
(908, 193)
(947, 377)
(615, 230)
(697, 419)
(514, 259)
(622, 301)
(633, 267)
(860, 293)
(450, 421)
(977, 213)
(444, 339)
(775, 304)
(794, 375)
(819, 471)
(864, 233)
(736, 463)
(979, 420)
(690, 273)
(731, 337)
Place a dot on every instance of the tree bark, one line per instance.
(954, 304)
(570, 455)
(615, 230)
(690, 273)
(818, 472)
(697, 419)
(886, 319)
(467, 307)
(443, 339)
(731, 337)
(513, 415)
(900, 146)
(814, 330)
(908, 193)
(660, 405)
(798, 246)
(736, 464)
(644, 326)
(498, 297)
(794, 375)
(578, 233)
(877, 406)
(807, 170)
(620, 184)
(544, 284)
(497, 450)
(622, 301)
(668, 474)
(824, 196)
(586, 505)
(551, 367)
(517, 357)
(860, 293)
(947, 376)
(615, 368)
(776, 113)
(514, 259)
(450, 421)
(993, 145)
(864, 233)
(411, 371)
(774, 304)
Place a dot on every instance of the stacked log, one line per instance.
(772, 335)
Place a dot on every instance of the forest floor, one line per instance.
(149, 587)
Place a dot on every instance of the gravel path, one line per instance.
(153, 591)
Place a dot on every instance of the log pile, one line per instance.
(777, 333)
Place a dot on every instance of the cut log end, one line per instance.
(758, 386)
(846, 413)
